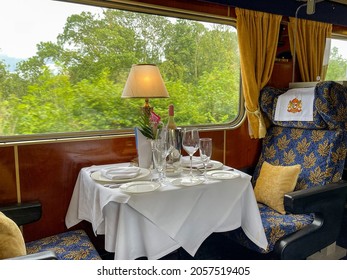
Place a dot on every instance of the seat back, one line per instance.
(71, 245)
(319, 146)
(321, 154)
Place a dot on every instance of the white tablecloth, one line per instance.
(156, 223)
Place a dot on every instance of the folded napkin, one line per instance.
(144, 149)
(120, 172)
(197, 163)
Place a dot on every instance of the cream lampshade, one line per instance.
(145, 81)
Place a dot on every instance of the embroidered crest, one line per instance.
(294, 106)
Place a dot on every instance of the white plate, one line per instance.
(97, 176)
(139, 187)
(213, 164)
(222, 174)
(187, 182)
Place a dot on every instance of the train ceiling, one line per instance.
(331, 11)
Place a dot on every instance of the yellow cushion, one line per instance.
(274, 182)
(11, 239)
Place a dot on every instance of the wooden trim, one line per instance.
(178, 8)
(16, 162)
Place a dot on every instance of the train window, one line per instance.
(63, 67)
(337, 68)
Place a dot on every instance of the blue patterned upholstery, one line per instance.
(318, 146)
(321, 154)
(275, 225)
(329, 108)
(71, 245)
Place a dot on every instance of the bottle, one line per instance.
(171, 121)
(173, 134)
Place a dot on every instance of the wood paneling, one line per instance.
(8, 192)
(241, 150)
(48, 173)
(282, 74)
(193, 5)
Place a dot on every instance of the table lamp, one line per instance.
(145, 81)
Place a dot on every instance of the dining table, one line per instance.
(153, 222)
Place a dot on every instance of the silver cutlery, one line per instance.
(112, 186)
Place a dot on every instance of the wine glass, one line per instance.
(168, 143)
(174, 153)
(190, 143)
(205, 149)
(162, 147)
(159, 157)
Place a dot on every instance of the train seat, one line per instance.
(297, 180)
(71, 245)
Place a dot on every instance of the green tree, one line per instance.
(337, 69)
(151, 34)
(96, 104)
(3, 106)
(75, 84)
(181, 50)
(92, 43)
(46, 106)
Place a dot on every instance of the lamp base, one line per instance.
(147, 108)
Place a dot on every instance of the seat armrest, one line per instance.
(23, 213)
(327, 204)
(45, 255)
(314, 200)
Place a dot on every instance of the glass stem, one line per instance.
(161, 176)
(164, 171)
(151, 167)
(191, 166)
(205, 168)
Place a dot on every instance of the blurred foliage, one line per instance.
(337, 69)
(75, 83)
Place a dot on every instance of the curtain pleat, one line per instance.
(258, 37)
(309, 38)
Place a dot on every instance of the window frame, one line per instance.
(141, 7)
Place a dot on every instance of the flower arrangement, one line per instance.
(149, 124)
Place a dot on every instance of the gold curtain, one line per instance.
(258, 37)
(310, 46)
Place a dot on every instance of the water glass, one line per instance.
(159, 158)
(205, 149)
(190, 143)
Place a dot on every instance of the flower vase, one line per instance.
(144, 149)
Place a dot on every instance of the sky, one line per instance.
(23, 25)
(342, 46)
